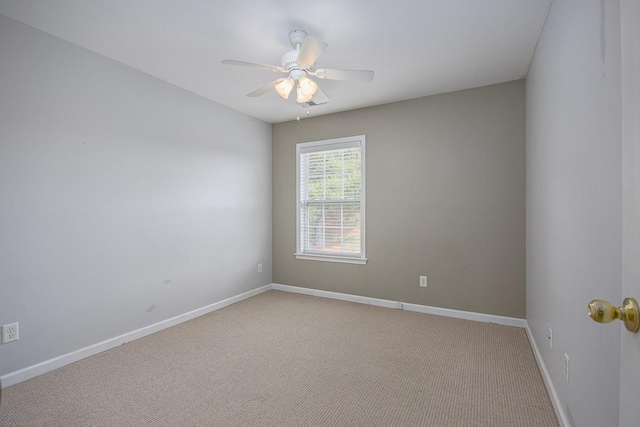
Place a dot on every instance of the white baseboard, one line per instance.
(57, 362)
(337, 295)
(467, 315)
(553, 394)
(458, 314)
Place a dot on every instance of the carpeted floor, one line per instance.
(282, 359)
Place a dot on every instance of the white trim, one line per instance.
(331, 144)
(331, 258)
(60, 361)
(337, 295)
(467, 315)
(553, 394)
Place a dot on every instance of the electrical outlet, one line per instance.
(550, 337)
(423, 281)
(260, 268)
(566, 366)
(9, 333)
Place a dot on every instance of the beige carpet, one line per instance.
(281, 359)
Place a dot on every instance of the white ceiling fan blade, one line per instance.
(255, 65)
(310, 50)
(319, 97)
(266, 88)
(354, 75)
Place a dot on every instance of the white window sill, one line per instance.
(330, 258)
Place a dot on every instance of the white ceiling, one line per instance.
(416, 47)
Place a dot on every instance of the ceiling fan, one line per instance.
(299, 64)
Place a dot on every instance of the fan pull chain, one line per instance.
(307, 114)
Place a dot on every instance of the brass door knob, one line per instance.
(604, 312)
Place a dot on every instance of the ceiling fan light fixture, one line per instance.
(306, 89)
(284, 88)
(307, 86)
(301, 98)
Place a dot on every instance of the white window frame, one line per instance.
(325, 145)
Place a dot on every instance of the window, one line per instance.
(330, 200)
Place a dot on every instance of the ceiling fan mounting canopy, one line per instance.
(299, 64)
(296, 37)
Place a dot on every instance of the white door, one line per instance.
(630, 342)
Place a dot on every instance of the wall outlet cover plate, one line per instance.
(9, 333)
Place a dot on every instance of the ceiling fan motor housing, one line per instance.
(288, 60)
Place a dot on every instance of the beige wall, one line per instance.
(445, 198)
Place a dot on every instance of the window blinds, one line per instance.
(330, 199)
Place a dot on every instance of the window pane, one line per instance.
(314, 215)
(316, 164)
(316, 242)
(332, 215)
(352, 187)
(351, 214)
(352, 161)
(352, 240)
(333, 186)
(316, 189)
(333, 162)
(333, 240)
